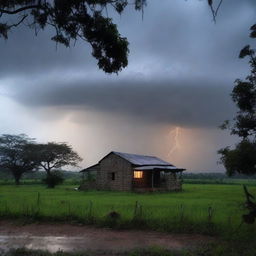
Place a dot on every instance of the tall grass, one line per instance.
(226, 181)
(215, 249)
(206, 209)
(71, 181)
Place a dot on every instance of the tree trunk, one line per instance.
(17, 176)
(47, 168)
(17, 180)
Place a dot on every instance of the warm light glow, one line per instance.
(137, 174)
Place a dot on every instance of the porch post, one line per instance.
(152, 178)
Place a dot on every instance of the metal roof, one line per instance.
(157, 167)
(141, 160)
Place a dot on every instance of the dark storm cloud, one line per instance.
(185, 103)
(172, 35)
(178, 56)
(25, 54)
(181, 70)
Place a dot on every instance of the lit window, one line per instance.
(137, 174)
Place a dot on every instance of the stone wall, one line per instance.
(172, 182)
(121, 169)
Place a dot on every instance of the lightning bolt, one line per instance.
(174, 134)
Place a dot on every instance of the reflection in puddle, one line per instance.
(99, 240)
(49, 243)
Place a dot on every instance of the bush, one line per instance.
(53, 179)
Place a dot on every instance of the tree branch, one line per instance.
(216, 12)
(17, 24)
(20, 9)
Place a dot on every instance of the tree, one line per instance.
(53, 179)
(79, 19)
(17, 155)
(72, 20)
(55, 155)
(250, 204)
(242, 159)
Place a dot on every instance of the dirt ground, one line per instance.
(66, 237)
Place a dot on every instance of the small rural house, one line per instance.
(130, 172)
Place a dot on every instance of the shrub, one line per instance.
(53, 179)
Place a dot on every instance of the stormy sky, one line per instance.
(168, 102)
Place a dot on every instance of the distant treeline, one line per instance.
(218, 178)
(215, 175)
(77, 175)
(38, 175)
(72, 177)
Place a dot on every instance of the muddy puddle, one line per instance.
(49, 243)
(66, 237)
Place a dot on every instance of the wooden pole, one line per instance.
(152, 178)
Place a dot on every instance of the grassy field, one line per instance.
(224, 181)
(37, 181)
(210, 250)
(210, 209)
(76, 181)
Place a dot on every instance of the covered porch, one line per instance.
(156, 178)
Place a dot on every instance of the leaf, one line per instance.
(225, 125)
(253, 34)
(120, 6)
(253, 27)
(139, 4)
(4, 30)
(210, 2)
(245, 51)
(61, 39)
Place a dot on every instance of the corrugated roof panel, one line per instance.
(142, 160)
(157, 167)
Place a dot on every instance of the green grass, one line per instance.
(224, 181)
(215, 249)
(70, 181)
(185, 212)
(75, 181)
(200, 208)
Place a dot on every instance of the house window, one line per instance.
(137, 174)
(113, 175)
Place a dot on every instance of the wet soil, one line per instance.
(67, 237)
